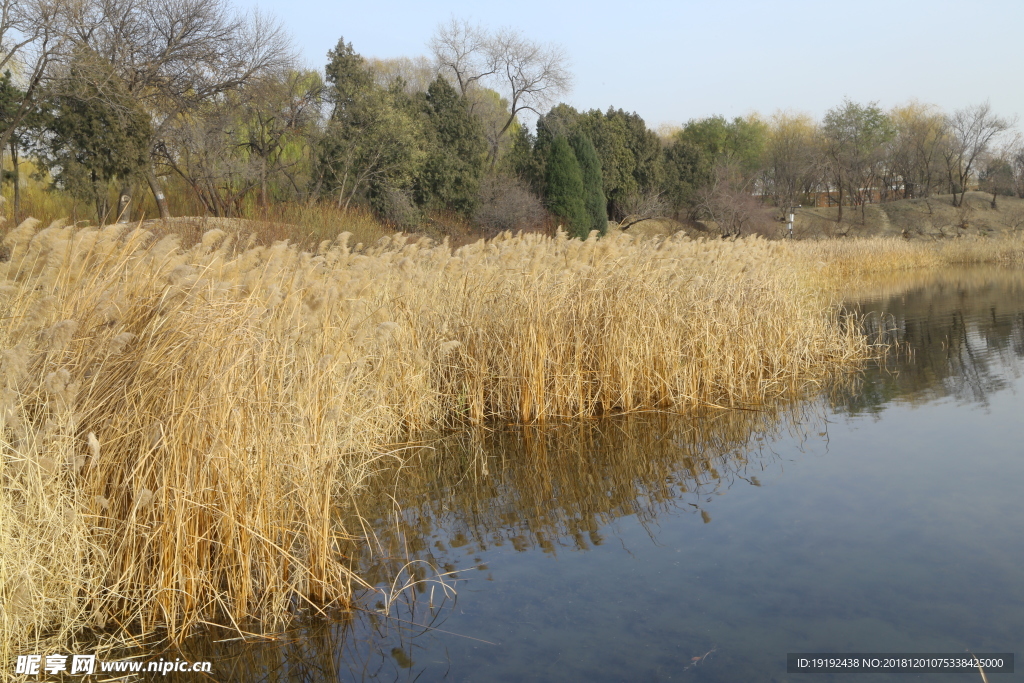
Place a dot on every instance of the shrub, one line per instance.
(508, 204)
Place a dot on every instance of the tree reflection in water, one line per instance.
(961, 333)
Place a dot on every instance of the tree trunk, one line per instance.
(124, 201)
(158, 194)
(101, 199)
(264, 203)
(216, 201)
(840, 220)
(16, 180)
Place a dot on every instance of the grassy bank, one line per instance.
(928, 219)
(186, 432)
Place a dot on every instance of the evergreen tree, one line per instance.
(10, 99)
(457, 152)
(565, 189)
(91, 135)
(629, 153)
(593, 185)
(372, 148)
(690, 158)
(349, 80)
(561, 121)
(521, 161)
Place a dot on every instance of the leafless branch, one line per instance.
(972, 132)
(463, 52)
(527, 74)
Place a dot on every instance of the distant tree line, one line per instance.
(726, 171)
(111, 97)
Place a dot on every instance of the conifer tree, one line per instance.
(90, 137)
(593, 184)
(372, 146)
(565, 189)
(457, 151)
(522, 162)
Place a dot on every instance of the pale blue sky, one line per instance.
(673, 61)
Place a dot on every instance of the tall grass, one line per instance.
(304, 226)
(835, 260)
(186, 433)
(307, 224)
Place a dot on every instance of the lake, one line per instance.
(880, 514)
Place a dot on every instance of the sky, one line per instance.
(675, 61)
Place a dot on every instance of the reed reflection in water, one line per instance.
(882, 515)
(553, 489)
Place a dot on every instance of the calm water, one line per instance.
(885, 516)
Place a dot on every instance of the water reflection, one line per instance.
(554, 488)
(355, 646)
(961, 334)
(626, 548)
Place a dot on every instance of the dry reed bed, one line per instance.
(936, 283)
(836, 260)
(185, 432)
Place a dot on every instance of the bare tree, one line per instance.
(997, 175)
(526, 74)
(793, 158)
(728, 201)
(463, 52)
(414, 75)
(856, 137)
(642, 206)
(278, 112)
(1015, 152)
(252, 139)
(175, 55)
(972, 132)
(508, 204)
(915, 164)
(529, 75)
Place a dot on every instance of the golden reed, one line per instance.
(186, 432)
